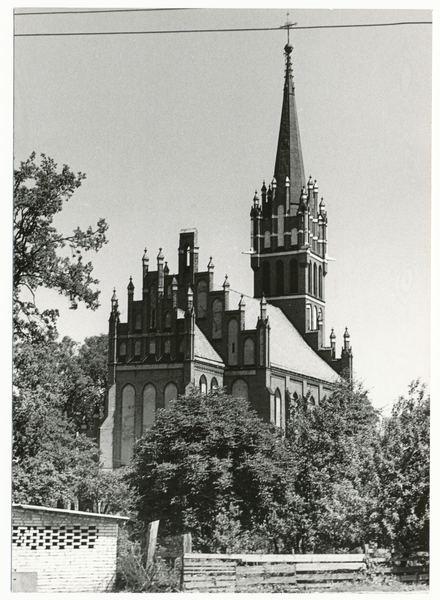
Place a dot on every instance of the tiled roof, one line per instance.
(288, 349)
(203, 349)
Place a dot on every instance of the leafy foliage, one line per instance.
(403, 513)
(39, 194)
(335, 448)
(57, 388)
(211, 467)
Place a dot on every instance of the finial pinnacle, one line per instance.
(287, 25)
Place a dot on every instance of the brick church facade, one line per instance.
(187, 332)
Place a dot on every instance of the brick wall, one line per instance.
(67, 551)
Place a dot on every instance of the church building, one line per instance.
(188, 333)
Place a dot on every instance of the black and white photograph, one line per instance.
(221, 303)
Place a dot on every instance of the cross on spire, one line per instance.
(288, 25)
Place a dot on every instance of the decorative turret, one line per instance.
(160, 273)
(226, 287)
(242, 309)
(333, 344)
(114, 302)
(210, 274)
(145, 261)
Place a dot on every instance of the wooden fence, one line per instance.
(241, 572)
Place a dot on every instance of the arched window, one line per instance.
(280, 237)
(293, 276)
(214, 383)
(122, 349)
(182, 346)
(314, 318)
(170, 290)
(203, 385)
(167, 320)
(266, 278)
(309, 266)
(315, 288)
(320, 282)
(294, 237)
(170, 393)
(308, 317)
(233, 342)
(148, 407)
(137, 349)
(152, 347)
(240, 389)
(167, 347)
(217, 314)
(137, 321)
(267, 239)
(202, 298)
(280, 277)
(127, 437)
(249, 351)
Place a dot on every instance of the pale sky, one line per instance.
(178, 130)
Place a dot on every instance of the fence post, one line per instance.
(187, 543)
(151, 542)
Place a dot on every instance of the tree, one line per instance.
(335, 448)
(40, 259)
(57, 388)
(210, 466)
(403, 514)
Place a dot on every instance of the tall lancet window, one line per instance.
(280, 240)
(320, 282)
(310, 267)
(315, 291)
(266, 278)
(280, 278)
(293, 276)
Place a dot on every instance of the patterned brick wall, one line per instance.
(68, 551)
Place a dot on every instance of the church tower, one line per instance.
(289, 231)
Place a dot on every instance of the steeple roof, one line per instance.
(289, 160)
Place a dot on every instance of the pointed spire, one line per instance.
(226, 283)
(130, 286)
(263, 307)
(289, 160)
(114, 300)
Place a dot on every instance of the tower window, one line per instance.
(167, 347)
(137, 321)
(167, 320)
(308, 317)
(188, 256)
(267, 239)
(202, 298)
(266, 278)
(152, 347)
(137, 349)
(280, 278)
(293, 276)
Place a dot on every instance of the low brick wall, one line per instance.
(56, 550)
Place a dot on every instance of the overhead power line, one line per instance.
(159, 32)
(88, 12)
